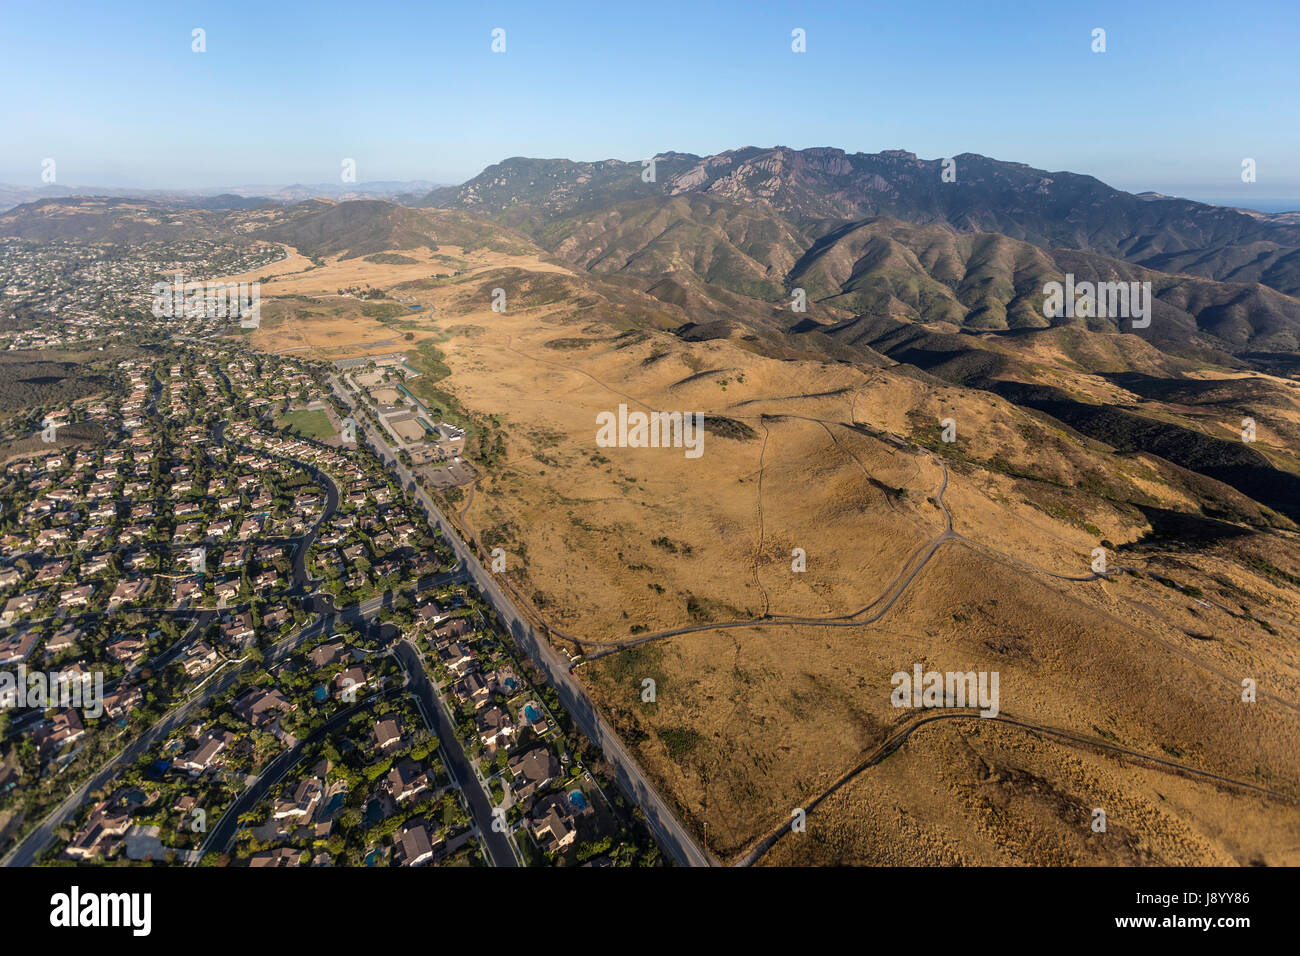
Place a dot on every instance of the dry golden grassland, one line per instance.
(1125, 658)
(749, 724)
(333, 326)
(978, 792)
(613, 544)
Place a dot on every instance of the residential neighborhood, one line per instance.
(294, 668)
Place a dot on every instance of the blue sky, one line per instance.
(287, 90)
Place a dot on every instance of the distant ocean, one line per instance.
(1244, 202)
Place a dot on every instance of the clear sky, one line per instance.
(286, 90)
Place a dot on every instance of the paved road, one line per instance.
(23, 853)
(221, 836)
(302, 543)
(673, 836)
(453, 755)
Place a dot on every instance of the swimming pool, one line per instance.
(578, 800)
(335, 802)
(532, 714)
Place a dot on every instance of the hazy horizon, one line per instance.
(1180, 96)
(1265, 204)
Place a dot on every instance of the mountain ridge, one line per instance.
(818, 187)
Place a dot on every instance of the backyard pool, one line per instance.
(336, 801)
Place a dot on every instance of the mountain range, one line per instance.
(723, 242)
(819, 190)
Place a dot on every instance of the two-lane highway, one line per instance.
(673, 836)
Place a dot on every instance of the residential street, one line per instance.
(24, 853)
(453, 755)
(668, 829)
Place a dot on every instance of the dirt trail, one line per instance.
(896, 739)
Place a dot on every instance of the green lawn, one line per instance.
(308, 424)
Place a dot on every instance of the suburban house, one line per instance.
(388, 735)
(122, 701)
(554, 824)
(127, 591)
(413, 848)
(187, 589)
(432, 614)
(65, 638)
(406, 780)
(459, 659)
(237, 629)
(261, 707)
(349, 681)
(302, 804)
(285, 856)
(204, 757)
(127, 650)
(51, 736)
(473, 687)
(327, 654)
(16, 648)
(100, 836)
(200, 659)
(495, 728)
(452, 630)
(532, 770)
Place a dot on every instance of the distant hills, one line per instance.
(873, 240)
(316, 227)
(225, 197)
